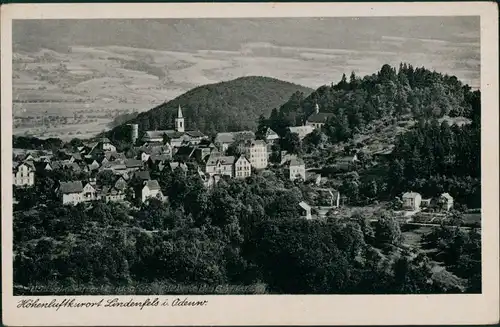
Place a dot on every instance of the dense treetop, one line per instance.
(354, 102)
(226, 106)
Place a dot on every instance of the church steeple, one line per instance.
(179, 121)
(179, 112)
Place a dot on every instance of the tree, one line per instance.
(262, 127)
(387, 230)
(106, 177)
(291, 143)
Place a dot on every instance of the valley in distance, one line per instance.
(369, 185)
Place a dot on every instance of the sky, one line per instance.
(307, 51)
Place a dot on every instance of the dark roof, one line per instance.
(143, 174)
(132, 163)
(41, 165)
(71, 187)
(320, 117)
(206, 144)
(195, 134)
(185, 151)
(152, 184)
(174, 134)
(90, 160)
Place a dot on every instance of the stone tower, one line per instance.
(179, 121)
(134, 133)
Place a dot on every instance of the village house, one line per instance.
(346, 162)
(271, 136)
(256, 152)
(142, 175)
(92, 164)
(219, 165)
(305, 210)
(75, 192)
(242, 168)
(223, 140)
(151, 189)
(154, 149)
(296, 168)
(23, 174)
(301, 131)
(318, 119)
(158, 162)
(112, 194)
(411, 201)
(446, 201)
(121, 184)
(103, 145)
(116, 167)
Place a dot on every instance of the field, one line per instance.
(91, 86)
(413, 234)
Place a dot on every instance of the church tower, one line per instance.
(179, 121)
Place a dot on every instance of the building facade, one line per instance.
(219, 165)
(23, 174)
(151, 189)
(75, 192)
(411, 201)
(256, 152)
(296, 169)
(242, 168)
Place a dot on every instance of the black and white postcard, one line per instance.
(250, 164)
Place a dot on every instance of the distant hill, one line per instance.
(227, 106)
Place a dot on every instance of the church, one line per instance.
(318, 119)
(178, 136)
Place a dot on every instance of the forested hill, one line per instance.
(391, 92)
(226, 106)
